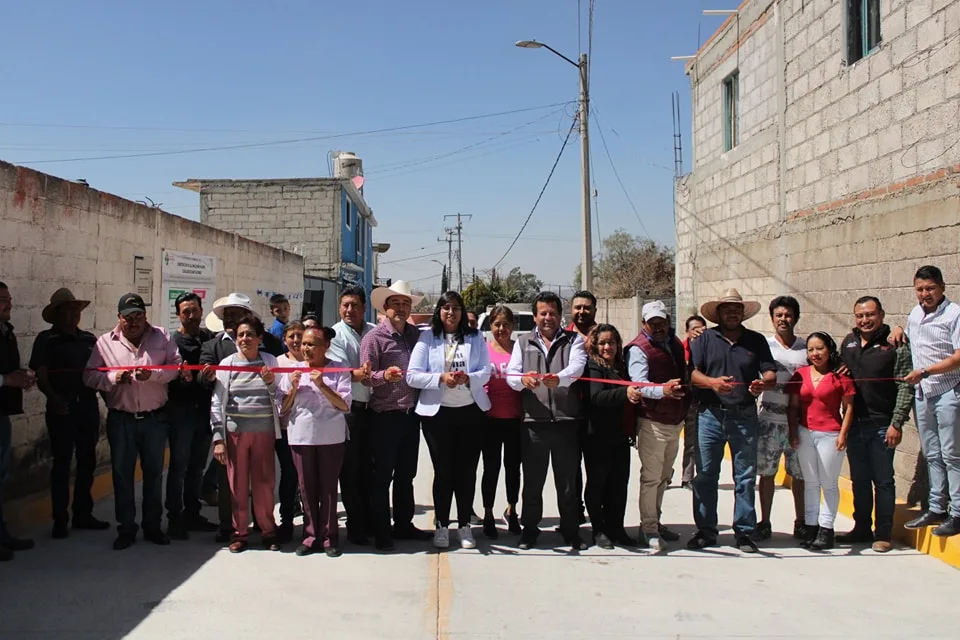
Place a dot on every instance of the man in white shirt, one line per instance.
(933, 328)
(357, 474)
(790, 353)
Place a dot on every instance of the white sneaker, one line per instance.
(441, 538)
(466, 537)
(657, 543)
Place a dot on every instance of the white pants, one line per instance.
(820, 463)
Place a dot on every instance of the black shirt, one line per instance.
(745, 360)
(875, 399)
(189, 391)
(65, 355)
(11, 398)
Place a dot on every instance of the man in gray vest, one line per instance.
(543, 366)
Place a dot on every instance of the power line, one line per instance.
(293, 140)
(545, 184)
(617, 175)
(420, 257)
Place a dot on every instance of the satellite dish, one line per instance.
(357, 181)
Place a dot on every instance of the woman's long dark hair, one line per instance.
(436, 324)
(831, 345)
(593, 351)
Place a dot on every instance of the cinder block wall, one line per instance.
(298, 215)
(58, 233)
(846, 178)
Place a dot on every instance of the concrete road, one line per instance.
(81, 588)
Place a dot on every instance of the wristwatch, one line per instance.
(924, 374)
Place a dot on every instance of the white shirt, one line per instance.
(935, 336)
(454, 359)
(638, 368)
(569, 375)
(773, 403)
(345, 348)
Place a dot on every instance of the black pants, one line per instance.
(871, 470)
(395, 442)
(78, 433)
(543, 441)
(356, 476)
(690, 443)
(581, 456)
(210, 481)
(501, 434)
(608, 472)
(289, 481)
(190, 438)
(453, 436)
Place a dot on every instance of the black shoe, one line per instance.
(177, 530)
(284, 534)
(579, 544)
(800, 531)
(490, 527)
(855, 536)
(5, 555)
(157, 537)
(812, 533)
(583, 517)
(60, 529)
(700, 541)
(667, 534)
(949, 528)
(602, 541)
(196, 522)
(762, 532)
(410, 532)
(927, 519)
(746, 544)
(270, 543)
(124, 541)
(527, 541)
(90, 523)
(512, 520)
(384, 543)
(358, 539)
(223, 537)
(824, 540)
(304, 550)
(17, 544)
(687, 484)
(333, 552)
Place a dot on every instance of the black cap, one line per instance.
(129, 303)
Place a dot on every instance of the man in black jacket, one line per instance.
(230, 311)
(13, 380)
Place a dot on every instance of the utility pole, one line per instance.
(586, 260)
(448, 269)
(459, 231)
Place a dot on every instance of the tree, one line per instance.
(628, 264)
(515, 287)
(521, 287)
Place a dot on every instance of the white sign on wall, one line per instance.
(182, 272)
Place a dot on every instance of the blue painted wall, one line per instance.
(352, 225)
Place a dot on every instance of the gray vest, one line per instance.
(543, 404)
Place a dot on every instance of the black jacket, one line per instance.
(11, 398)
(609, 413)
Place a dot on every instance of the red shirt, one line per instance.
(686, 350)
(820, 406)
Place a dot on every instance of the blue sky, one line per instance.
(128, 78)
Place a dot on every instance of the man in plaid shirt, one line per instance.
(881, 407)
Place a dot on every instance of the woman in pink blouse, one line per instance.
(504, 428)
(316, 403)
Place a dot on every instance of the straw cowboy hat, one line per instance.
(211, 321)
(59, 298)
(214, 319)
(730, 296)
(378, 298)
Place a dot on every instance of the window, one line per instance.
(346, 213)
(358, 241)
(731, 111)
(863, 28)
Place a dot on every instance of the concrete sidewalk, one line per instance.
(81, 588)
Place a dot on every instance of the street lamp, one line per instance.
(443, 277)
(586, 260)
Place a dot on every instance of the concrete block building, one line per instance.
(326, 220)
(826, 159)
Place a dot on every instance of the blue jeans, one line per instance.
(129, 439)
(871, 469)
(6, 453)
(718, 426)
(938, 419)
(190, 438)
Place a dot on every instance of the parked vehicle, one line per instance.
(524, 323)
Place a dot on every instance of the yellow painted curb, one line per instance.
(33, 511)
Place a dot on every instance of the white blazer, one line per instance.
(427, 362)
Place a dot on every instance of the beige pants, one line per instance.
(657, 444)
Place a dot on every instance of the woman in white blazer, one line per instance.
(451, 365)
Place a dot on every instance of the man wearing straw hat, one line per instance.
(59, 356)
(732, 366)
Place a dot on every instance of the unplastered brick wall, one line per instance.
(866, 167)
(298, 215)
(57, 233)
